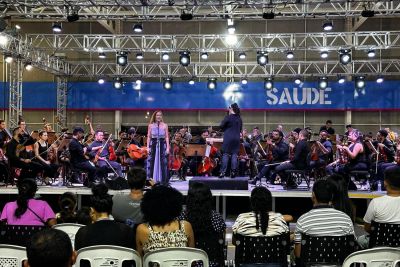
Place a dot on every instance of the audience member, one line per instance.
(341, 200)
(323, 219)
(160, 207)
(126, 208)
(103, 231)
(50, 248)
(83, 216)
(26, 210)
(67, 203)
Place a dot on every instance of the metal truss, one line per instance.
(201, 9)
(274, 42)
(62, 97)
(238, 70)
(15, 92)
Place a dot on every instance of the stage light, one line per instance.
(379, 79)
(297, 80)
(191, 81)
(341, 79)
(231, 39)
(101, 81)
(137, 28)
(73, 17)
(17, 27)
(269, 83)
(165, 56)
(322, 83)
(3, 40)
(242, 55)
(359, 82)
(167, 84)
(122, 58)
(138, 81)
(184, 58)
(289, 55)
(204, 55)
(139, 56)
(57, 27)
(345, 56)
(102, 55)
(262, 58)
(244, 81)
(371, 53)
(327, 26)
(212, 83)
(367, 13)
(8, 58)
(118, 83)
(186, 16)
(268, 15)
(28, 66)
(231, 26)
(324, 54)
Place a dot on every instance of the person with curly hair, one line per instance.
(161, 207)
(67, 203)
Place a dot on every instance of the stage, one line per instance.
(220, 195)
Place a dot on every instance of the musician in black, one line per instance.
(386, 154)
(324, 151)
(135, 141)
(196, 160)
(280, 153)
(41, 149)
(328, 128)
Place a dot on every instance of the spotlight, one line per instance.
(371, 53)
(191, 81)
(380, 79)
(322, 83)
(17, 27)
(242, 55)
(165, 56)
(324, 54)
(212, 83)
(138, 81)
(186, 16)
(167, 84)
(289, 55)
(101, 81)
(137, 28)
(341, 79)
(367, 13)
(73, 17)
(137, 85)
(57, 27)
(268, 15)
(204, 55)
(327, 26)
(297, 80)
(244, 81)
(102, 55)
(118, 83)
(139, 56)
(360, 82)
(8, 58)
(28, 66)
(269, 83)
(122, 58)
(262, 58)
(231, 26)
(345, 56)
(231, 39)
(184, 58)
(3, 40)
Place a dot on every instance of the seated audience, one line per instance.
(67, 203)
(384, 209)
(83, 216)
(103, 231)
(126, 208)
(160, 207)
(50, 248)
(26, 210)
(341, 200)
(323, 219)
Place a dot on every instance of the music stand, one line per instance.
(195, 150)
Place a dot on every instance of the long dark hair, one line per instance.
(199, 207)
(101, 201)
(341, 200)
(235, 108)
(67, 203)
(26, 190)
(261, 204)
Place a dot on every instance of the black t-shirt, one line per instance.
(76, 151)
(300, 154)
(329, 130)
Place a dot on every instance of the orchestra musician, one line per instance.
(104, 161)
(176, 159)
(232, 127)
(299, 161)
(134, 140)
(323, 150)
(280, 153)
(196, 160)
(328, 128)
(41, 150)
(186, 136)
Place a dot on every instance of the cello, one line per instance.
(208, 163)
(135, 152)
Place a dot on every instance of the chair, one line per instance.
(388, 257)
(107, 256)
(360, 179)
(384, 235)
(297, 176)
(182, 257)
(70, 228)
(12, 256)
(262, 249)
(330, 250)
(18, 235)
(214, 246)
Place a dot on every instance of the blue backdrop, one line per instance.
(284, 96)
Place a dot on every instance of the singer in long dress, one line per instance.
(158, 147)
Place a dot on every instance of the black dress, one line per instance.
(232, 127)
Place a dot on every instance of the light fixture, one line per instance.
(212, 83)
(167, 84)
(244, 81)
(341, 79)
(137, 28)
(231, 39)
(327, 26)
(184, 58)
(297, 80)
(118, 83)
(268, 15)
(379, 79)
(242, 55)
(359, 82)
(101, 81)
(3, 40)
(73, 17)
(269, 83)
(231, 26)
(8, 58)
(57, 27)
(322, 83)
(102, 55)
(122, 58)
(28, 66)
(191, 81)
(186, 15)
(367, 13)
(204, 55)
(371, 53)
(345, 56)
(165, 56)
(324, 54)
(138, 81)
(18, 27)
(139, 56)
(262, 58)
(289, 55)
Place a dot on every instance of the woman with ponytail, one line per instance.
(261, 221)
(67, 203)
(26, 210)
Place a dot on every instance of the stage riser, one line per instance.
(215, 183)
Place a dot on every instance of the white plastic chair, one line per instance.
(107, 256)
(12, 256)
(182, 257)
(380, 256)
(70, 228)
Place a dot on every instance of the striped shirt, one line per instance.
(323, 222)
(245, 224)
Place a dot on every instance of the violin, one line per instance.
(98, 154)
